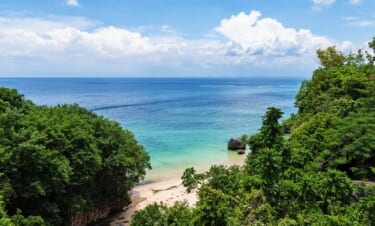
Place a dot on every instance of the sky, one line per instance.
(177, 38)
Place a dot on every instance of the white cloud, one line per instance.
(323, 2)
(72, 3)
(363, 23)
(358, 22)
(71, 45)
(78, 44)
(40, 25)
(49, 37)
(320, 4)
(167, 29)
(253, 35)
(37, 37)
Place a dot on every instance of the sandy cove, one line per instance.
(167, 191)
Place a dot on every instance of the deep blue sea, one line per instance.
(182, 122)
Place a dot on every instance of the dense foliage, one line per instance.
(304, 171)
(63, 164)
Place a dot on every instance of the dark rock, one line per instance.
(241, 151)
(236, 144)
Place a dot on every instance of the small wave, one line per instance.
(135, 105)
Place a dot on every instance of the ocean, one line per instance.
(182, 122)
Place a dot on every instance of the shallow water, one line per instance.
(182, 122)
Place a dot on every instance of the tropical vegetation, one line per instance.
(315, 168)
(63, 165)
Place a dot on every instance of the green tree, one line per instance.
(330, 57)
(61, 164)
(271, 132)
(160, 215)
(4, 218)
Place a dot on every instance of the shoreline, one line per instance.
(165, 191)
(159, 188)
(164, 174)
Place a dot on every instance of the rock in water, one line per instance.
(236, 144)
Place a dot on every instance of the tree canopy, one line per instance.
(63, 165)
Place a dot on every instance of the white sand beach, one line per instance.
(167, 191)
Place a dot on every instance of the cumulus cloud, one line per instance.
(33, 37)
(79, 45)
(72, 3)
(253, 35)
(109, 41)
(77, 42)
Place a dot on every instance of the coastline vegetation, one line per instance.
(63, 165)
(316, 168)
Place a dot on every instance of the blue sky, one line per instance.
(189, 38)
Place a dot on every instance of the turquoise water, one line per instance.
(181, 122)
